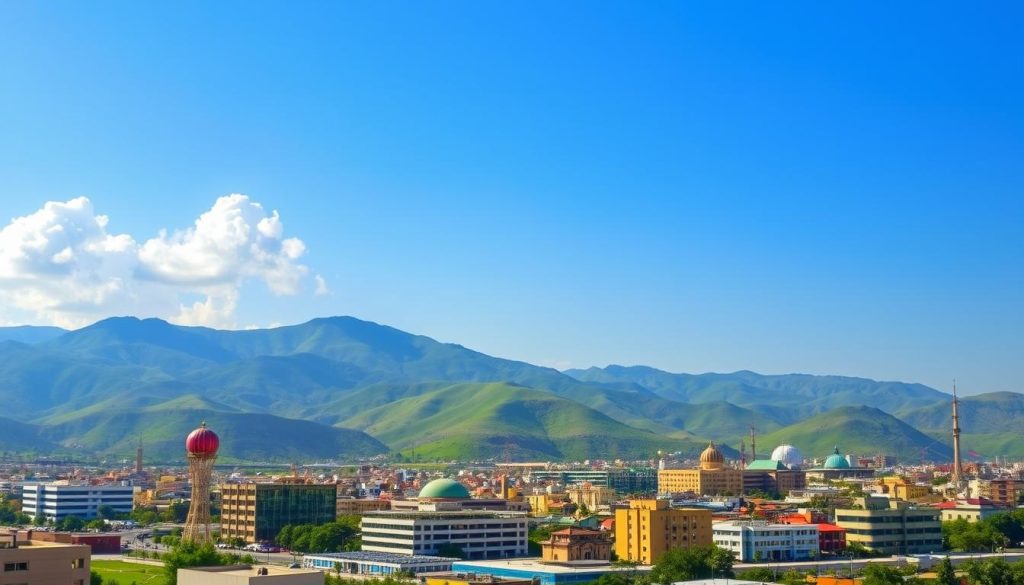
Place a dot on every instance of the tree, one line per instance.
(687, 564)
(762, 574)
(190, 554)
(106, 512)
(792, 577)
(878, 574)
(71, 524)
(95, 578)
(944, 573)
(97, 524)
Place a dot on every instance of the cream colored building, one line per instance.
(245, 574)
(31, 562)
(648, 528)
(592, 496)
(891, 527)
(711, 478)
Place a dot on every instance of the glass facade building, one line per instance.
(256, 512)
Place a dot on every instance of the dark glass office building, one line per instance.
(256, 512)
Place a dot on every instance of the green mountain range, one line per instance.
(343, 388)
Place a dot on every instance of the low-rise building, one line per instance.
(648, 528)
(754, 541)
(1004, 491)
(891, 527)
(478, 534)
(546, 573)
(37, 562)
(577, 544)
(971, 510)
(377, 564)
(903, 489)
(56, 502)
(359, 506)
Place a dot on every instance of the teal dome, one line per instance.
(444, 489)
(836, 460)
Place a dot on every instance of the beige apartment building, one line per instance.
(891, 527)
(31, 562)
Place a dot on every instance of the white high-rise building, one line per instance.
(752, 541)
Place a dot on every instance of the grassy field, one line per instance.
(128, 573)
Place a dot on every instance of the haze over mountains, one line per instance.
(343, 388)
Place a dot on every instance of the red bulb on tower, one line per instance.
(202, 442)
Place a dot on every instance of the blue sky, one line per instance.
(697, 187)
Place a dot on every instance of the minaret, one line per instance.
(958, 470)
(138, 458)
(743, 453)
(753, 444)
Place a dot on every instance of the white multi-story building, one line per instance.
(479, 535)
(752, 541)
(56, 502)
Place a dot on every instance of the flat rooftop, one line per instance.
(382, 557)
(249, 570)
(536, 565)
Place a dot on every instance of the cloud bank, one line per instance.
(60, 265)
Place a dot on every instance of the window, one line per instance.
(20, 566)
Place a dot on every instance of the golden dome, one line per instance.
(711, 458)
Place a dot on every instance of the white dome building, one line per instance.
(789, 456)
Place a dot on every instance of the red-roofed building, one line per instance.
(831, 538)
(971, 509)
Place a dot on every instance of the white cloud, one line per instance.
(60, 265)
(321, 286)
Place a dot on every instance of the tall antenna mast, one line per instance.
(958, 469)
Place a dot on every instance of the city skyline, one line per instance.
(826, 191)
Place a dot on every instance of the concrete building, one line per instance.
(359, 506)
(711, 478)
(624, 481)
(1003, 491)
(33, 562)
(901, 488)
(971, 510)
(891, 527)
(577, 544)
(755, 541)
(377, 564)
(772, 477)
(479, 535)
(648, 528)
(591, 496)
(56, 502)
(246, 574)
(256, 512)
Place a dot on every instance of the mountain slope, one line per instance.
(995, 412)
(861, 430)
(786, 398)
(30, 334)
(483, 420)
(244, 436)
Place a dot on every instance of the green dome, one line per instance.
(836, 461)
(444, 489)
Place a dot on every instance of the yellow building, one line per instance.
(901, 489)
(711, 478)
(590, 495)
(546, 504)
(33, 561)
(648, 528)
